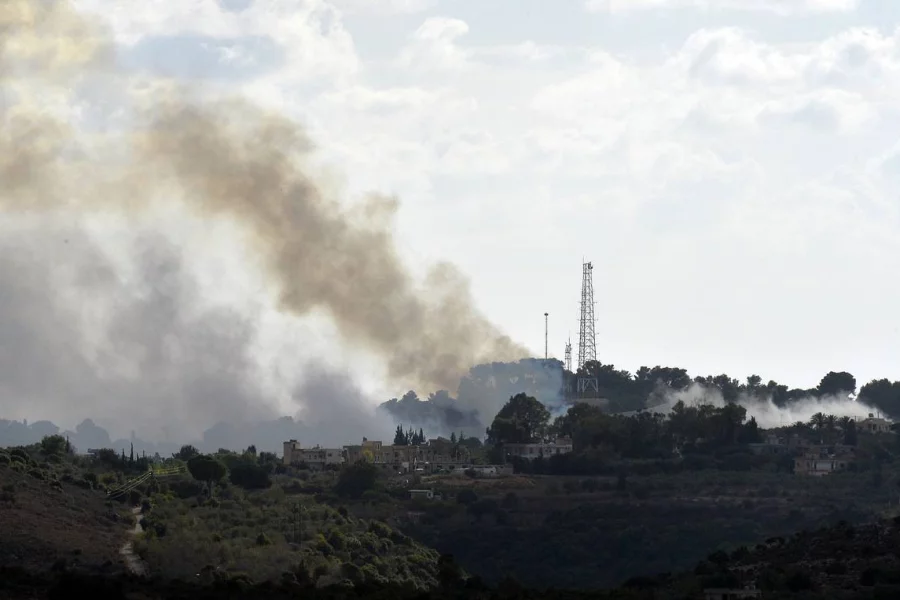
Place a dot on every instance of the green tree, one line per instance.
(53, 445)
(356, 480)
(186, 453)
(250, 476)
(883, 394)
(400, 438)
(207, 469)
(834, 384)
(521, 420)
(848, 427)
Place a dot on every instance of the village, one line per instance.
(442, 456)
(436, 456)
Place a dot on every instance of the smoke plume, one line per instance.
(159, 146)
(764, 410)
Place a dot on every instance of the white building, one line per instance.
(874, 424)
(817, 465)
(316, 457)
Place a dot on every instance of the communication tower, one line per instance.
(587, 343)
(569, 356)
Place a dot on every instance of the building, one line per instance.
(479, 470)
(427, 457)
(424, 494)
(773, 446)
(874, 424)
(537, 450)
(822, 460)
(316, 457)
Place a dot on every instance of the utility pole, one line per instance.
(546, 353)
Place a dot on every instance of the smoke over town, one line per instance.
(127, 334)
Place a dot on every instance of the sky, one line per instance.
(728, 166)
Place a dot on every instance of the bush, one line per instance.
(356, 480)
(83, 483)
(466, 496)
(380, 529)
(250, 476)
(21, 456)
(510, 501)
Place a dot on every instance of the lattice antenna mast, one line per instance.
(587, 343)
(569, 355)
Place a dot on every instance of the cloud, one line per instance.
(383, 7)
(779, 7)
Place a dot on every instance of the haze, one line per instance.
(208, 205)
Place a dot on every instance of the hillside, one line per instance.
(842, 562)
(592, 532)
(266, 526)
(47, 520)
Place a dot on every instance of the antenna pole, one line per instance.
(545, 336)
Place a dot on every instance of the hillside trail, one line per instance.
(132, 560)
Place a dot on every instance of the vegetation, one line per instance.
(640, 494)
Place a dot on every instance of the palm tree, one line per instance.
(818, 420)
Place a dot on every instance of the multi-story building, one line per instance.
(873, 424)
(562, 445)
(316, 457)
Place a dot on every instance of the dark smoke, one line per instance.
(78, 341)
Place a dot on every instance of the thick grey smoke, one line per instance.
(153, 359)
(328, 398)
(766, 412)
(226, 159)
(77, 342)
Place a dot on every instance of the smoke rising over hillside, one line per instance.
(766, 412)
(154, 358)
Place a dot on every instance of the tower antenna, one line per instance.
(545, 335)
(569, 355)
(587, 343)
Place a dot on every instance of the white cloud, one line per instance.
(382, 7)
(781, 7)
(310, 32)
(733, 192)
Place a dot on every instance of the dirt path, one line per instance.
(132, 560)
